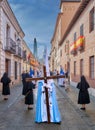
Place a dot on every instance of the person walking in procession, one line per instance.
(5, 80)
(61, 82)
(29, 93)
(24, 83)
(52, 114)
(83, 97)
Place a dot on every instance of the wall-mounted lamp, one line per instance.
(18, 40)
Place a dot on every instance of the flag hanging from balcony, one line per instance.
(77, 45)
(29, 55)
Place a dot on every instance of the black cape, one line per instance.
(29, 92)
(83, 97)
(5, 80)
(24, 83)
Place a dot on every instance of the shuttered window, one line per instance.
(91, 20)
(92, 67)
(81, 30)
(74, 68)
(81, 67)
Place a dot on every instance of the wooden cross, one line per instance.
(45, 78)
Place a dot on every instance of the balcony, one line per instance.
(24, 55)
(10, 46)
(73, 48)
(19, 51)
(73, 52)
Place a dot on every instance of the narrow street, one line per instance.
(15, 116)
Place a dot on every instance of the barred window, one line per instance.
(91, 20)
(15, 70)
(92, 67)
(75, 36)
(61, 53)
(19, 68)
(74, 68)
(81, 30)
(81, 67)
(65, 48)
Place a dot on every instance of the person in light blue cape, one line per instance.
(41, 109)
(61, 71)
(31, 72)
(41, 112)
(61, 81)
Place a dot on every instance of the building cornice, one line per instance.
(81, 8)
(8, 11)
(26, 46)
(68, 1)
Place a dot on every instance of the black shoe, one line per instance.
(83, 108)
(5, 98)
(30, 108)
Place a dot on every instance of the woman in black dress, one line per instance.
(29, 93)
(24, 83)
(83, 97)
(6, 89)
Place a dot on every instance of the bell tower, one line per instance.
(35, 48)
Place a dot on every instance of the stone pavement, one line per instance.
(15, 116)
(89, 114)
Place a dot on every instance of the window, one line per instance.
(15, 70)
(55, 52)
(74, 68)
(91, 20)
(61, 53)
(92, 67)
(65, 48)
(81, 67)
(7, 35)
(19, 68)
(75, 36)
(81, 30)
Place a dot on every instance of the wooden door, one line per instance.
(6, 65)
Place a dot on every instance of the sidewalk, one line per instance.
(72, 94)
(15, 92)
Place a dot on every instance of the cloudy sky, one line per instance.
(37, 18)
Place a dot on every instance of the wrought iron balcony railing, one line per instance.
(18, 51)
(10, 46)
(24, 55)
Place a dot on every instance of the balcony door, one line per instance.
(15, 70)
(7, 35)
(7, 66)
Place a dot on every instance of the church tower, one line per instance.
(35, 48)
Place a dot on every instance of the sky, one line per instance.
(37, 19)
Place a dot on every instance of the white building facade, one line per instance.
(11, 37)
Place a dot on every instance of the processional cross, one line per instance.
(45, 78)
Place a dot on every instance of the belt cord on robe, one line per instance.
(27, 93)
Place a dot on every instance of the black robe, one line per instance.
(6, 89)
(29, 92)
(24, 84)
(83, 97)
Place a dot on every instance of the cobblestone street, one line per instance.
(15, 116)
